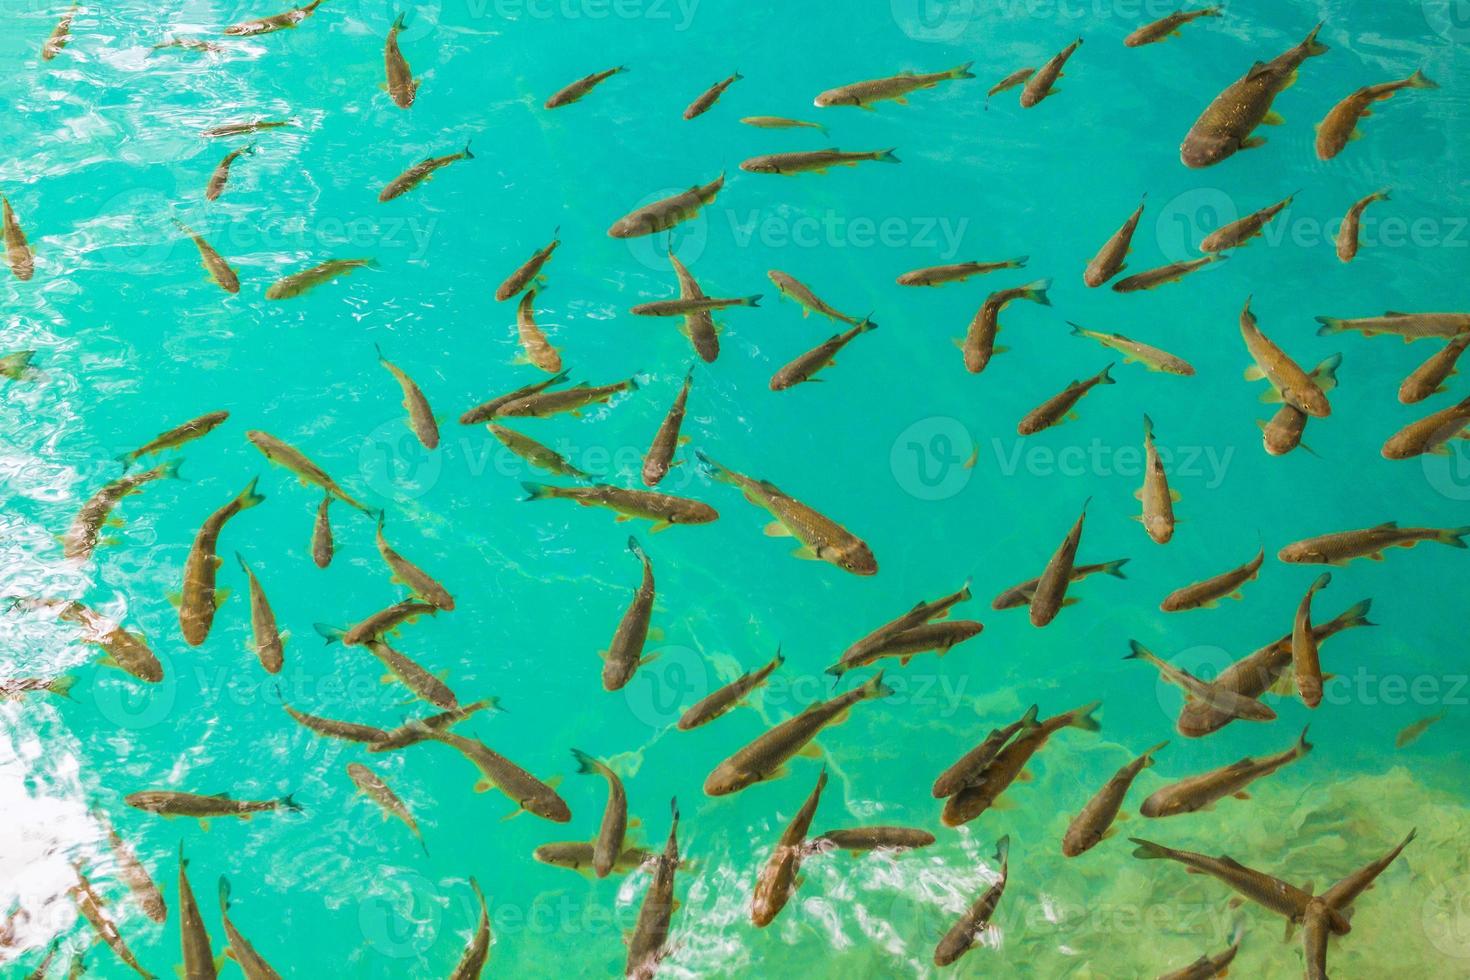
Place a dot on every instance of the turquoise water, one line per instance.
(131, 339)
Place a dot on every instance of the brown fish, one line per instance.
(1428, 378)
(293, 460)
(91, 906)
(660, 456)
(269, 641)
(80, 539)
(529, 271)
(251, 963)
(577, 856)
(420, 414)
(1060, 407)
(1305, 660)
(420, 172)
(1294, 385)
(1208, 967)
(711, 95)
(486, 411)
(648, 943)
(60, 35)
(199, 961)
(780, 877)
(967, 930)
(416, 731)
(1349, 234)
(417, 679)
(667, 212)
(919, 614)
(347, 731)
(402, 86)
(1217, 697)
(135, 875)
(126, 651)
(406, 573)
(219, 270)
(174, 803)
(1411, 733)
(1410, 326)
(16, 688)
(858, 840)
(472, 962)
(1341, 122)
(624, 653)
(198, 598)
(1042, 84)
(371, 785)
(978, 345)
(1051, 587)
(664, 510)
(814, 161)
(903, 645)
(542, 403)
(1207, 593)
(1343, 546)
(1430, 434)
(805, 297)
(1167, 27)
(1133, 350)
(1163, 275)
(1157, 499)
(607, 847)
(1283, 432)
(697, 304)
(17, 250)
(938, 275)
(698, 325)
(536, 453)
(806, 365)
(249, 126)
(322, 545)
(1112, 258)
(276, 22)
(221, 174)
(780, 122)
(175, 437)
(966, 771)
(1205, 790)
(718, 702)
(1241, 231)
(1227, 125)
(896, 88)
(525, 790)
(1017, 77)
(577, 90)
(301, 282)
(1020, 595)
(1094, 823)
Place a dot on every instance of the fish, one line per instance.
(297, 283)
(648, 942)
(967, 929)
(405, 572)
(486, 411)
(1306, 664)
(1348, 235)
(1240, 232)
(1430, 434)
(416, 731)
(1132, 350)
(249, 126)
(781, 122)
(269, 640)
(135, 875)
(720, 701)
(1410, 733)
(1284, 432)
(781, 876)
(896, 88)
(577, 855)
(529, 271)
(1042, 84)
(16, 365)
(126, 651)
(1020, 595)
(1164, 274)
(857, 840)
(1017, 77)
(1262, 671)
(1341, 123)
(969, 766)
(347, 731)
(371, 785)
(540, 404)
(175, 437)
(415, 677)
(698, 325)
(1229, 122)
(1060, 407)
(788, 285)
(189, 44)
(578, 90)
(1295, 386)
(1218, 698)
(710, 96)
(976, 797)
(1112, 258)
(1265, 890)
(198, 599)
(219, 270)
(535, 453)
(804, 366)
(1341, 547)
(765, 757)
(1207, 967)
(698, 304)
(1167, 27)
(1342, 894)
(91, 906)
(1157, 499)
(276, 22)
(321, 534)
(17, 251)
(80, 540)
(60, 35)
(940, 637)
(174, 803)
(16, 688)
(814, 161)
(607, 847)
(660, 456)
(921, 612)
(239, 949)
(379, 624)
(291, 459)
(408, 180)
(1410, 326)
(199, 961)
(978, 345)
(1428, 378)
(1051, 587)
(624, 654)
(664, 510)
(1206, 594)
(1202, 792)
(1094, 823)
(472, 961)
(221, 175)
(939, 275)
(529, 794)
(420, 414)
(820, 536)
(402, 86)
(667, 212)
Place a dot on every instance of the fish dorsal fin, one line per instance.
(1256, 69)
(1387, 526)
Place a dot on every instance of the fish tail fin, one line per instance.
(1105, 378)
(962, 71)
(289, 802)
(1137, 651)
(867, 324)
(875, 688)
(62, 685)
(467, 154)
(248, 149)
(171, 469)
(1302, 745)
(536, 491)
(1216, 11)
(1019, 262)
(1082, 717)
(1077, 329)
(1421, 80)
(1454, 536)
(1330, 325)
(637, 549)
(332, 634)
(1148, 850)
(1036, 291)
(1028, 720)
(636, 381)
(1148, 426)
(224, 893)
(586, 765)
(1357, 615)
(241, 559)
(1148, 753)
(1003, 850)
(754, 300)
(400, 20)
(249, 497)
(1115, 567)
(887, 156)
(126, 459)
(711, 468)
(1313, 46)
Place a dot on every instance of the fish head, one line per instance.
(834, 97)
(1298, 552)
(759, 166)
(854, 556)
(1205, 151)
(727, 779)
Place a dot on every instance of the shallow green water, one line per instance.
(103, 148)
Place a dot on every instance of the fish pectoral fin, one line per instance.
(1356, 134)
(1242, 795)
(1124, 815)
(220, 595)
(1251, 142)
(484, 785)
(1110, 832)
(1071, 600)
(1175, 496)
(1002, 803)
(1024, 776)
(204, 824)
(776, 529)
(1273, 118)
(805, 553)
(648, 659)
(1271, 397)
(1254, 373)
(513, 814)
(620, 518)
